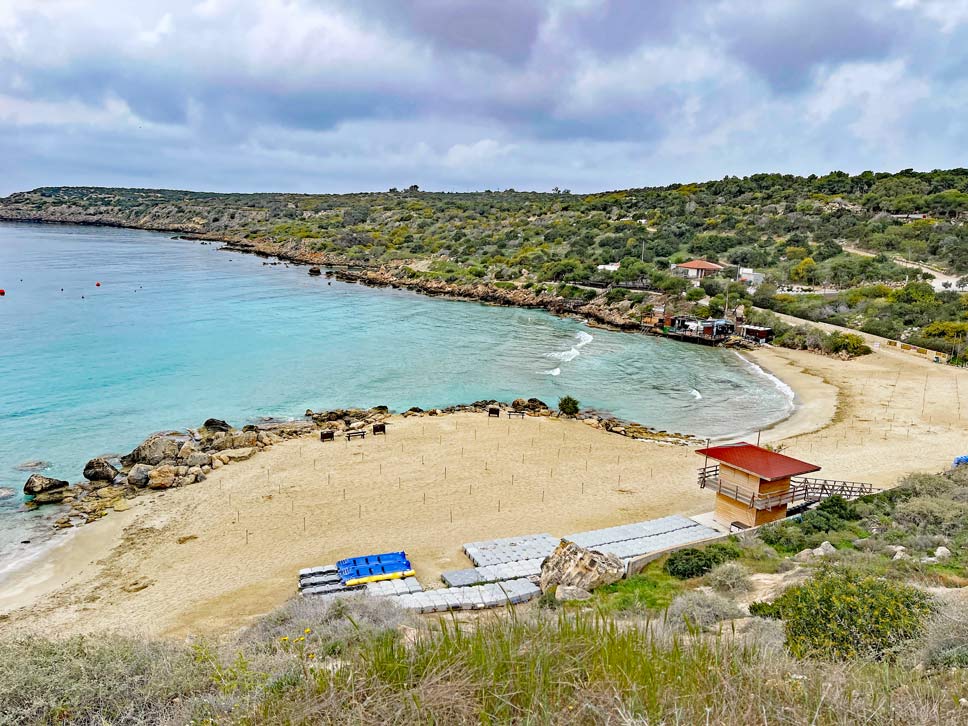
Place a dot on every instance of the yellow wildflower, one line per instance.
(284, 638)
(307, 631)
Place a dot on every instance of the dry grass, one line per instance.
(564, 668)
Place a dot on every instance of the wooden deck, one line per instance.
(802, 489)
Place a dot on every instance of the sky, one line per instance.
(587, 95)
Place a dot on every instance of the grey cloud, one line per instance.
(785, 41)
(586, 94)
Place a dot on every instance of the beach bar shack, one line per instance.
(752, 484)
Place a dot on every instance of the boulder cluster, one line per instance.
(175, 459)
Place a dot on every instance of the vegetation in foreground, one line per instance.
(856, 639)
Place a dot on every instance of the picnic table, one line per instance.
(519, 414)
(360, 434)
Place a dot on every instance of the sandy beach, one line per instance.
(206, 559)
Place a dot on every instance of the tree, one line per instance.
(568, 405)
(804, 271)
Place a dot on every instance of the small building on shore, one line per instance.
(696, 270)
(752, 484)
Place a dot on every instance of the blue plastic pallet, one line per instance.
(354, 573)
(371, 560)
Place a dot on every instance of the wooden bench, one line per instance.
(359, 434)
(328, 435)
(738, 526)
(494, 412)
(379, 428)
(519, 414)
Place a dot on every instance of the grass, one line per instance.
(651, 590)
(569, 667)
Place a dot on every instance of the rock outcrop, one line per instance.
(138, 475)
(573, 566)
(153, 450)
(100, 470)
(46, 490)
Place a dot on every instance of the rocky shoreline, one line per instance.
(617, 317)
(181, 458)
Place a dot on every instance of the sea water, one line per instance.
(180, 331)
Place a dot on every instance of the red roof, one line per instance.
(758, 461)
(700, 265)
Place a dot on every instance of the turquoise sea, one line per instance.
(179, 331)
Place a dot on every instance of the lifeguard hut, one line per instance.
(753, 485)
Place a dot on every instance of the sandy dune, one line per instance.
(207, 558)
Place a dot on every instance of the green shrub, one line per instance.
(568, 405)
(839, 614)
(692, 562)
(700, 609)
(730, 578)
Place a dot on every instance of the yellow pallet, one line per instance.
(377, 578)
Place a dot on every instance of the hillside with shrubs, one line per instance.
(796, 231)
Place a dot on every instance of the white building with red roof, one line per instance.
(696, 270)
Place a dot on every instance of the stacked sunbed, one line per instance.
(384, 574)
(516, 557)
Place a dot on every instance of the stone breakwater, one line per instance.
(182, 458)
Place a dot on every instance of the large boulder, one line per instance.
(38, 484)
(46, 490)
(154, 450)
(531, 405)
(574, 566)
(236, 440)
(138, 476)
(100, 470)
(216, 424)
(237, 454)
(162, 477)
(198, 458)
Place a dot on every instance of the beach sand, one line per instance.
(207, 559)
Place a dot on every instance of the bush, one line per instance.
(839, 614)
(700, 610)
(108, 679)
(692, 562)
(730, 578)
(945, 642)
(568, 405)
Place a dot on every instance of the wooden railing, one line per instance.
(801, 489)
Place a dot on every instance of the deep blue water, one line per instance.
(179, 331)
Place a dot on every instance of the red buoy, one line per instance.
(2, 293)
(97, 284)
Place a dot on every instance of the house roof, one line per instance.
(700, 265)
(758, 461)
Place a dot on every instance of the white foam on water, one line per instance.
(695, 394)
(583, 339)
(553, 372)
(564, 355)
(780, 385)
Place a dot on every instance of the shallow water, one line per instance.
(179, 331)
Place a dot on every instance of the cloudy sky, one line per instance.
(312, 95)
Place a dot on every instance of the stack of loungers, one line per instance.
(505, 572)
(478, 597)
(525, 554)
